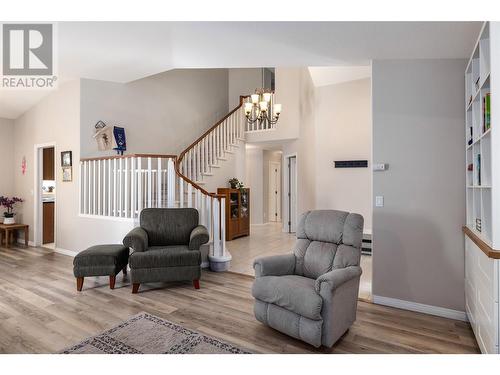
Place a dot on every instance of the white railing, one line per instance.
(204, 154)
(120, 187)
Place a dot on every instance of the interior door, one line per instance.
(274, 213)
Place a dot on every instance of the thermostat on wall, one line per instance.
(379, 167)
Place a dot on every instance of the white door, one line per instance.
(274, 191)
(292, 194)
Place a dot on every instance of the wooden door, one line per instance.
(48, 222)
(48, 164)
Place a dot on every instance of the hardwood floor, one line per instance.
(41, 312)
(269, 239)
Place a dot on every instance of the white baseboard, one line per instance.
(65, 252)
(420, 307)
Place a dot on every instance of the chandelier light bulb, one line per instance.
(267, 96)
(277, 108)
(248, 108)
(255, 98)
(263, 106)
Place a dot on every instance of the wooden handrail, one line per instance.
(242, 97)
(485, 248)
(131, 156)
(183, 153)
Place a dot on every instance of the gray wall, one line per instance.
(418, 129)
(7, 157)
(163, 113)
(243, 81)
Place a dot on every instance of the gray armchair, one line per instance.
(312, 293)
(166, 246)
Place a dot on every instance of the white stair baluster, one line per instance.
(139, 186)
(133, 189)
(158, 184)
(170, 183)
(190, 195)
(181, 192)
(208, 214)
(114, 188)
(126, 194)
(85, 191)
(150, 184)
(98, 187)
(120, 189)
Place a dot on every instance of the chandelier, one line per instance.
(261, 109)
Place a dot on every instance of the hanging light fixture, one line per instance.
(261, 109)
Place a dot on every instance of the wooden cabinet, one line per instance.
(237, 212)
(48, 164)
(48, 222)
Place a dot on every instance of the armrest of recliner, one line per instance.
(335, 278)
(276, 265)
(137, 239)
(198, 237)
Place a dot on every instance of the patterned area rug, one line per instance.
(148, 334)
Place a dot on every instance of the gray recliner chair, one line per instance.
(166, 246)
(312, 294)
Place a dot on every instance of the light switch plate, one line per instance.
(379, 167)
(379, 201)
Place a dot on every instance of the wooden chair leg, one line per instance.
(112, 280)
(196, 284)
(124, 270)
(135, 288)
(79, 283)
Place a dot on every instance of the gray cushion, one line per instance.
(102, 255)
(322, 225)
(101, 260)
(168, 226)
(165, 256)
(291, 292)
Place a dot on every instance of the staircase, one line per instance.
(119, 187)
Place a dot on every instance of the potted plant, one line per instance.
(236, 184)
(9, 203)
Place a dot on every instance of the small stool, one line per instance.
(100, 260)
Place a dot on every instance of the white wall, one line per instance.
(163, 113)
(303, 147)
(254, 180)
(7, 158)
(418, 129)
(343, 130)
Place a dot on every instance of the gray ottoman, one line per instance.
(100, 260)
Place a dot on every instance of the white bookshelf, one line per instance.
(479, 143)
(482, 152)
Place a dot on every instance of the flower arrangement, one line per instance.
(9, 203)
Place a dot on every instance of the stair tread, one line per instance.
(214, 166)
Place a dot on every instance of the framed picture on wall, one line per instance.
(66, 159)
(67, 174)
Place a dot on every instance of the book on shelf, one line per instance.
(478, 168)
(487, 111)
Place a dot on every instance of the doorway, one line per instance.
(291, 193)
(274, 191)
(45, 196)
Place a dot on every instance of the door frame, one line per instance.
(37, 192)
(277, 210)
(290, 224)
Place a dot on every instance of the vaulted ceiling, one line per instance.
(127, 51)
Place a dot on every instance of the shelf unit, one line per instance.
(478, 135)
(482, 169)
